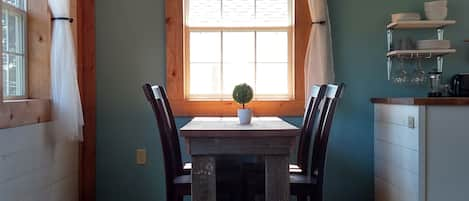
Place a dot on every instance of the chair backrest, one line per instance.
(171, 151)
(333, 94)
(173, 131)
(312, 108)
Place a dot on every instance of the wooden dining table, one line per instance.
(269, 137)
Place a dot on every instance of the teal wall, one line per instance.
(131, 51)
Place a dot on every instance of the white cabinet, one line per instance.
(421, 152)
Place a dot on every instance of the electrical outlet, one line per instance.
(141, 156)
(411, 122)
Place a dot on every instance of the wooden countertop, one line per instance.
(422, 101)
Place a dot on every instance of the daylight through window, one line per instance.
(239, 41)
(13, 48)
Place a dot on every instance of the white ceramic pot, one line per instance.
(244, 116)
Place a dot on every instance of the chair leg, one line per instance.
(302, 197)
(177, 197)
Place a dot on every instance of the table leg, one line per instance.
(203, 178)
(277, 178)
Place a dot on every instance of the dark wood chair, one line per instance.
(311, 185)
(312, 109)
(178, 181)
(304, 144)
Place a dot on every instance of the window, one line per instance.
(239, 41)
(25, 75)
(212, 45)
(13, 48)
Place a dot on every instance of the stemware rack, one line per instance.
(411, 54)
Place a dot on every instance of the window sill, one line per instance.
(15, 113)
(229, 108)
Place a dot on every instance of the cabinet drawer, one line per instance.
(397, 134)
(397, 114)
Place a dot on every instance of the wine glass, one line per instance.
(419, 76)
(400, 76)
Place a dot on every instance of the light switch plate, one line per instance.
(411, 122)
(141, 156)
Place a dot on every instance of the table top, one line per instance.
(230, 127)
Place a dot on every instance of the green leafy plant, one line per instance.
(243, 94)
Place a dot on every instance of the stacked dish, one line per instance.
(433, 44)
(436, 10)
(405, 17)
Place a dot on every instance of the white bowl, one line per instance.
(435, 8)
(405, 17)
(443, 3)
(436, 14)
(433, 44)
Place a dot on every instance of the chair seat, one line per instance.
(184, 179)
(293, 168)
(187, 166)
(302, 179)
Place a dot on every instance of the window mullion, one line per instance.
(255, 64)
(221, 65)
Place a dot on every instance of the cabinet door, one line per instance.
(397, 152)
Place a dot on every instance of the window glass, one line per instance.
(13, 50)
(239, 41)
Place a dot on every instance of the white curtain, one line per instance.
(319, 63)
(66, 105)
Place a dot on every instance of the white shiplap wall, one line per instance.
(37, 166)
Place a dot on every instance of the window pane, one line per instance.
(205, 79)
(272, 79)
(238, 59)
(238, 13)
(13, 75)
(13, 32)
(272, 47)
(205, 47)
(272, 13)
(238, 47)
(21, 4)
(234, 74)
(204, 13)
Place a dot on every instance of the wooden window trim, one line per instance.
(37, 108)
(175, 70)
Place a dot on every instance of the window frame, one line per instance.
(35, 107)
(24, 14)
(175, 69)
(264, 97)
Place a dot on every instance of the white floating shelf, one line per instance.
(421, 24)
(426, 53)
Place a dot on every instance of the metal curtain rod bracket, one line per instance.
(320, 22)
(63, 18)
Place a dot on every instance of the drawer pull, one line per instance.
(411, 122)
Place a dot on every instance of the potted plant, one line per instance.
(243, 94)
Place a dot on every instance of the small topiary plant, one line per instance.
(243, 94)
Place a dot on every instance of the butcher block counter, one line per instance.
(422, 101)
(421, 149)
